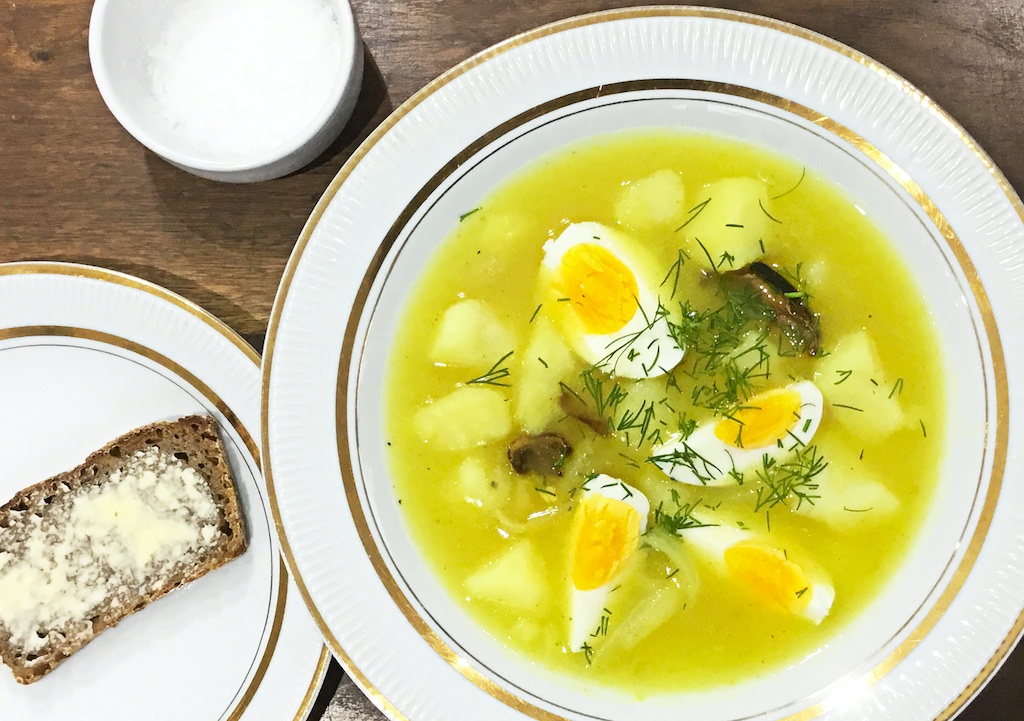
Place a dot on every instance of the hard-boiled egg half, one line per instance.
(606, 529)
(763, 570)
(772, 423)
(604, 304)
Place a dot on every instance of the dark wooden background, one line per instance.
(75, 186)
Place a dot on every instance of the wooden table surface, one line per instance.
(74, 186)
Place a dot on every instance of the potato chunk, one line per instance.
(546, 361)
(862, 397)
(470, 334)
(480, 485)
(850, 497)
(730, 223)
(657, 201)
(468, 416)
(515, 578)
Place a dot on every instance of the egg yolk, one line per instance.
(605, 533)
(601, 289)
(761, 421)
(768, 573)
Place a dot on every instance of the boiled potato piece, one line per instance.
(478, 485)
(468, 416)
(546, 361)
(470, 334)
(850, 497)
(730, 222)
(515, 578)
(657, 201)
(858, 390)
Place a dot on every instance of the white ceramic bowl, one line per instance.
(940, 626)
(122, 34)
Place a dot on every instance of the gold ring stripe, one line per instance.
(1001, 386)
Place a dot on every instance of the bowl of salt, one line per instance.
(231, 90)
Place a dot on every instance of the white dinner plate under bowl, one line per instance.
(85, 356)
(953, 609)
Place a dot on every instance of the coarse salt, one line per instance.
(238, 79)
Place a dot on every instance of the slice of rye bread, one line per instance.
(97, 564)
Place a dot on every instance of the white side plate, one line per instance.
(85, 356)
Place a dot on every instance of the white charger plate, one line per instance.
(940, 628)
(85, 356)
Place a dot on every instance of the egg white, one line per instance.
(703, 459)
(644, 347)
(711, 542)
(587, 607)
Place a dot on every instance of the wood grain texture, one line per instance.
(75, 186)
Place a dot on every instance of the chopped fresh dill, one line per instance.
(632, 463)
(795, 277)
(588, 652)
(858, 510)
(923, 429)
(542, 362)
(711, 261)
(694, 212)
(897, 388)
(494, 376)
(545, 491)
(765, 211)
(733, 225)
(803, 174)
(701, 468)
(802, 591)
(674, 572)
(467, 214)
(605, 405)
(674, 270)
(535, 312)
(564, 300)
(795, 477)
(849, 408)
(680, 519)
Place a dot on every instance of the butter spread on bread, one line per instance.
(154, 509)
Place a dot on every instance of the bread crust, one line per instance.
(194, 440)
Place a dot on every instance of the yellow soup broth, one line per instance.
(671, 618)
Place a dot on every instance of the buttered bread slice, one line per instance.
(79, 552)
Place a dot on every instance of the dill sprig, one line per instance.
(685, 456)
(793, 478)
(495, 374)
(680, 519)
(627, 343)
(803, 174)
(795, 277)
(674, 270)
(727, 346)
(693, 213)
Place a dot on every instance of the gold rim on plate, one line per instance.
(890, 168)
